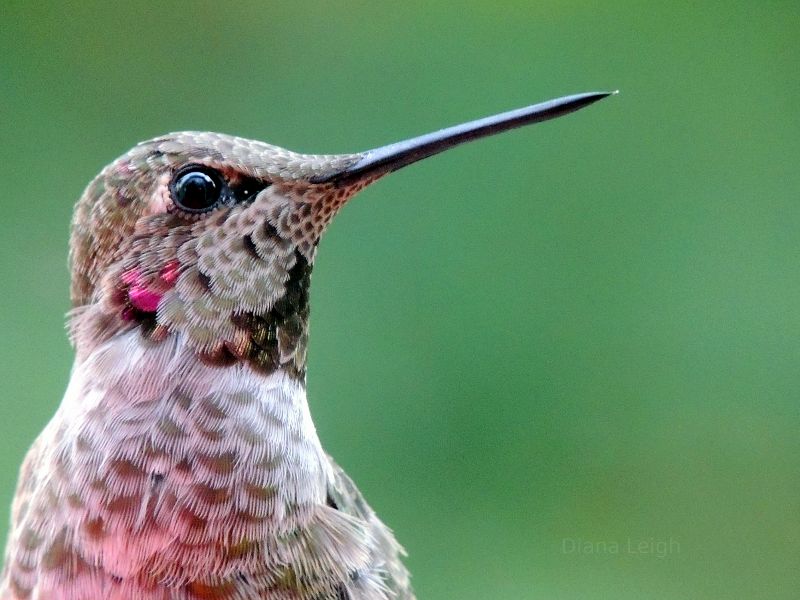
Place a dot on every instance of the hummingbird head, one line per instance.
(212, 237)
(209, 236)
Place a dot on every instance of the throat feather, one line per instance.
(168, 454)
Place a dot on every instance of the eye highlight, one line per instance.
(197, 189)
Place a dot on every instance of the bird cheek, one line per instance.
(160, 200)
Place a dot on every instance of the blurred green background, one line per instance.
(585, 332)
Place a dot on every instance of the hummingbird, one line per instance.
(183, 462)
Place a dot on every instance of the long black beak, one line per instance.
(386, 159)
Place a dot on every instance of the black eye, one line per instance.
(196, 189)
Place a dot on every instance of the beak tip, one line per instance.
(591, 97)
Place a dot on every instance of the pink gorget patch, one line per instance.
(144, 293)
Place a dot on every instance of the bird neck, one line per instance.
(160, 444)
(158, 461)
(164, 395)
